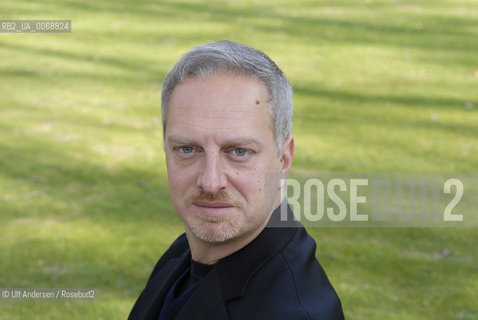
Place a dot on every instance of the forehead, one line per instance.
(229, 105)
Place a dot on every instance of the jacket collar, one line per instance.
(234, 274)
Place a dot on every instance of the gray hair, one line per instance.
(225, 56)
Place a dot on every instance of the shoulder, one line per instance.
(314, 292)
(293, 285)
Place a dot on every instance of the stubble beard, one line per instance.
(213, 229)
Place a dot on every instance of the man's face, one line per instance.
(220, 149)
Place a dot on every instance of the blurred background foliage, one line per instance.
(380, 86)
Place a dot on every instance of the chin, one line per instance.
(213, 232)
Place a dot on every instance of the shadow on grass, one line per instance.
(373, 109)
(146, 70)
(424, 31)
(421, 30)
(66, 184)
(360, 98)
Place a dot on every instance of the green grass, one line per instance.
(380, 86)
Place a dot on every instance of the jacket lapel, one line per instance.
(235, 271)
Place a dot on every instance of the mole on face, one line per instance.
(257, 102)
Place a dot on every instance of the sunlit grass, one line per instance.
(380, 86)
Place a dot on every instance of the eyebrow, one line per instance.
(179, 140)
(233, 142)
(243, 141)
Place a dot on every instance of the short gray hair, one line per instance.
(224, 56)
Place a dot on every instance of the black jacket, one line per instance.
(276, 276)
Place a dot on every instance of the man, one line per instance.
(227, 112)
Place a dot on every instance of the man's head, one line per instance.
(226, 113)
(233, 57)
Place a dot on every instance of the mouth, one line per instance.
(213, 211)
(213, 205)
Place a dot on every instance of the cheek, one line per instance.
(250, 184)
(180, 181)
(261, 184)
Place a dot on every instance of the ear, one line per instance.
(287, 153)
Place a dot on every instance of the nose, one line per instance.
(212, 177)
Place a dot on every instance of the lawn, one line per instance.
(380, 86)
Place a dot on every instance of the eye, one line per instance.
(185, 149)
(239, 152)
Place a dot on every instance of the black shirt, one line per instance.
(198, 272)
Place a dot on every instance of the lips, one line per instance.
(213, 211)
(212, 205)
